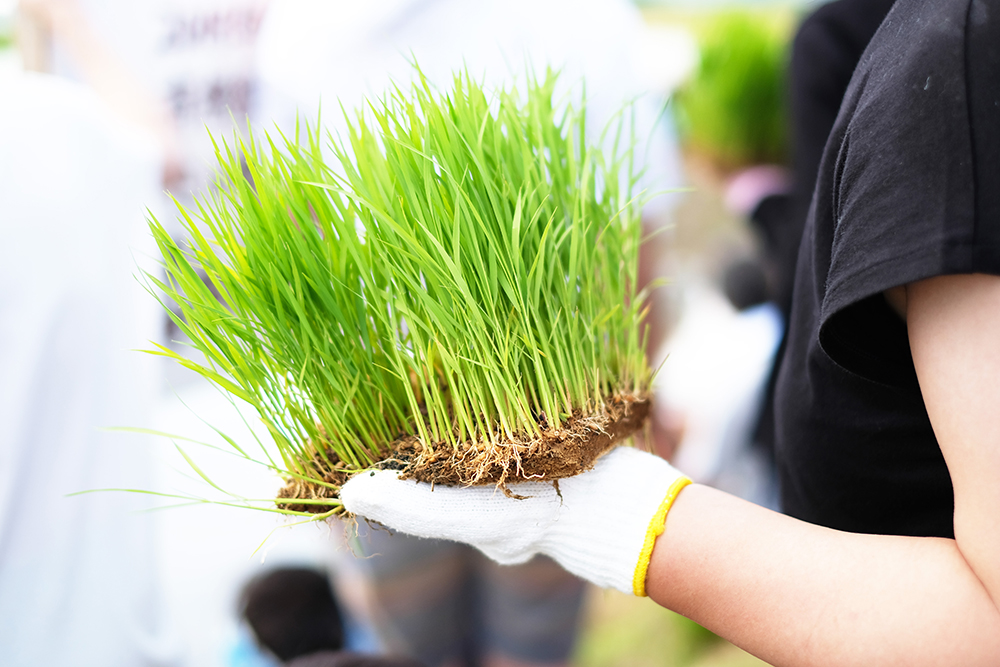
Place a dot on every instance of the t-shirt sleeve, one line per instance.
(916, 187)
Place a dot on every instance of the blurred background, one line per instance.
(106, 111)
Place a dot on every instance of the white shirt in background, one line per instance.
(77, 573)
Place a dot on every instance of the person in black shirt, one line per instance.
(887, 403)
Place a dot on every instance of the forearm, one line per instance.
(797, 594)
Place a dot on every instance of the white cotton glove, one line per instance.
(602, 528)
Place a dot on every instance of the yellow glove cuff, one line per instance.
(656, 527)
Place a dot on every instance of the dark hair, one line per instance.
(292, 612)
(345, 659)
(745, 284)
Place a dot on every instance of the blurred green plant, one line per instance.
(733, 108)
(626, 631)
(7, 35)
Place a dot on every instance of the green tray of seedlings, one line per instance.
(448, 289)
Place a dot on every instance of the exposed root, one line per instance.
(563, 451)
(295, 488)
(559, 452)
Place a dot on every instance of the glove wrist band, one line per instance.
(656, 527)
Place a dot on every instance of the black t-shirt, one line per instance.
(908, 188)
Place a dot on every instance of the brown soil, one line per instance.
(331, 473)
(567, 450)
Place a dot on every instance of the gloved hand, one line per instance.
(600, 525)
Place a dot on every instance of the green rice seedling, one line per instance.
(733, 108)
(451, 290)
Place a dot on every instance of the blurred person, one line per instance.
(347, 659)
(78, 575)
(181, 68)
(718, 359)
(729, 435)
(295, 617)
(888, 433)
(827, 48)
(46, 23)
(444, 603)
(292, 612)
(441, 602)
(729, 438)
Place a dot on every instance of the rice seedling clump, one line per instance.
(448, 289)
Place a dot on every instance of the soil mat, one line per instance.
(563, 451)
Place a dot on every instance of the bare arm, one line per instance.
(797, 594)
